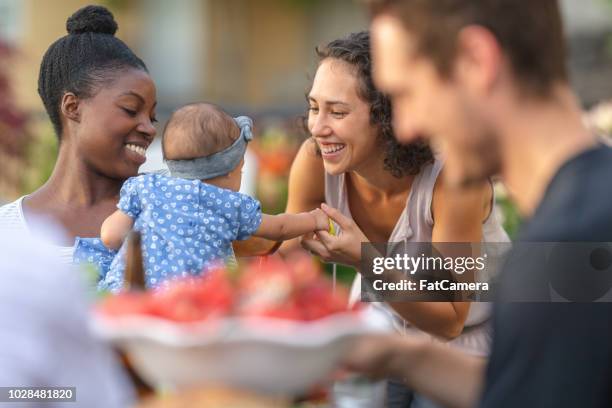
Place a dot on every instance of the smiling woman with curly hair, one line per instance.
(391, 192)
(399, 160)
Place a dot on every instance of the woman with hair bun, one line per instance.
(101, 101)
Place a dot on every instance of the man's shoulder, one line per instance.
(576, 207)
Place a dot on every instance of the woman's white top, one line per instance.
(415, 224)
(12, 219)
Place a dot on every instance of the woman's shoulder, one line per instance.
(431, 171)
(307, 164)
(425, 184)
(11, 215)
(10, 206)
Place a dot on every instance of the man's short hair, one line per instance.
(529, 32)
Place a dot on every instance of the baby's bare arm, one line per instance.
(288, 226)
(115, 228)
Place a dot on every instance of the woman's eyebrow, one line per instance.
(333, 102)
(132, 93)
(337, 103)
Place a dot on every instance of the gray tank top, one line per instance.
(415, 224)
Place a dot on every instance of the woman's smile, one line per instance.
(332, 151)
(136, 153)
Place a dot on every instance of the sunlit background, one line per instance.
(249, 56)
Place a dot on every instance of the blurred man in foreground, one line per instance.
(45, 339)
(487, 81)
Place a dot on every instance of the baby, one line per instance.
(189, 219)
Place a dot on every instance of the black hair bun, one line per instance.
(92, 19)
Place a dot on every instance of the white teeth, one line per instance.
(329, 149)
(137, 149)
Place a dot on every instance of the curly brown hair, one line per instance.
(400, 160)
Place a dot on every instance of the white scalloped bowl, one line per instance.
(267, 355)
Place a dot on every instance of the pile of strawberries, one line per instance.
(294, 289)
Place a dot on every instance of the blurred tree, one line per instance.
(40, 157)
(14, 136)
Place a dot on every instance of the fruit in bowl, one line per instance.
(273, 327)
(185, 300)
(271, 287)
(295, 290)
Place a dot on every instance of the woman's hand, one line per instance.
(344, 248)
(321, 221)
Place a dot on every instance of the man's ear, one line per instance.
(70, 106)
(479, 59)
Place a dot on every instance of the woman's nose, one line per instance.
(320, 126)
(146, 127)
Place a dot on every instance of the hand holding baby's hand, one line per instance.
(321, 220)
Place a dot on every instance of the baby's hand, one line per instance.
(321, 220)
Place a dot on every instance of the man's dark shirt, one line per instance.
(557, 354)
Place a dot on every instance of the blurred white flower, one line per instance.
(599, 120)
(501, 192)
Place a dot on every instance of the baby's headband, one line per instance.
(217, 164)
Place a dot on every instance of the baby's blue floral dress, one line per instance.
(187, 226)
